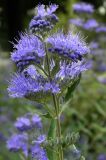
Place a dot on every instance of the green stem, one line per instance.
(56, 105)
(58, 126)
(51, 135)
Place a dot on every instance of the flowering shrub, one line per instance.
(47, 66)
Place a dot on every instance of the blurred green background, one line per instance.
(87, 111)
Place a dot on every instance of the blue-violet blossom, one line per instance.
(82, 7)
(27, 123)
(18, 142)
(90, 24)
(45, 19)
(28, 49)
(77, 22)
(25, 141)
(69, 46)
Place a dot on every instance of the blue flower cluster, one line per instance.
(44, 63)
(30, 82)
(101, 29)
(69, 46)
(26, 123)
(90, 24)
(38, 152)
(22, 141)
(18, 142)
(45, 19)
(87, 23)
(77, 21)
(70, 71)
(28, 49)
(82, 7)
(101, 157)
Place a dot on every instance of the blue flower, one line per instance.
(32, 72)
(102, 79)
(28, 142)
(82, 7)
(36, 121)
(29, 83)
(28, 49)
(25, 83)
(23, 124)
(44, 20)
(21, 86)
(94, 45)
(69, 46)
(102, 157)
(43, 10)
(70, 71)
(38, 152)
(33, 80)
(18, 142)
(90, 24)
(101, 29)
(77, 21)
(27, 123)
(52, 86)
(40, 139)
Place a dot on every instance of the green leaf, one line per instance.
(52, 129)
(72, 88)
